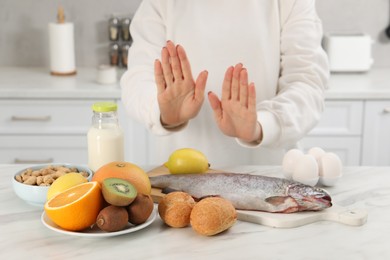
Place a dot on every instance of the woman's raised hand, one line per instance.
(235, 113)
(179, 96)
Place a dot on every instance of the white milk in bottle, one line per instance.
(105, 137)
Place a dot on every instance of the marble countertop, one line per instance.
(32, 82)
(23, 235)
(372, 85)
(35, 83)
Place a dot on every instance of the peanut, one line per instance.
(39, 180)
(58, 174)
(84, 174)
(36, 173)
(48, 179)
(32, 180)
(63, 169)
(25, 176)
(47, 171)
(19, 178)
(45, 176)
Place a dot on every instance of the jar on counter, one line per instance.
(105, 137)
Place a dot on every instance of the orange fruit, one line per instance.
(76, 208)
(125, 170)
(65, 182)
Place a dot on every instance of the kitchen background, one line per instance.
(24, 34)
(354, 125)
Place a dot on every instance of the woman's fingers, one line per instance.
(200, 85)
(175, 64)
(235, 88)
(174, 61)
(166, 66)
(215, 104)
(185, 63)
(243, 88)
(252, 97)
(159, 77)
(227, 82)
(235, 78)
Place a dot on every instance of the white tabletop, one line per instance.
(371, 85)
(35, 83)
(23, 236)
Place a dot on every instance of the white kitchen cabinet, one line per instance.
(55, 130)
(376, 140)
(136, 138)
(37, 149)
(41, 116)
(339, 131)
(347, 148)
(44, 130)
(45, 118)
(340, 118)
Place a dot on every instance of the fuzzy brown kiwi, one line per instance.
(118, 192)
(140, 210)
(112, 218)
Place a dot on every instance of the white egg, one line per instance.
(306, 170)
(289, 161)
(317, 152)
(330, 170)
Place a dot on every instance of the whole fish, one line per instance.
(249, 192)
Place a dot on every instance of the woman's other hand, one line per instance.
(235, 113)
(179, 96)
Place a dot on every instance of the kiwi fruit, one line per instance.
(112, 218)
(118, 192)
(140, 210)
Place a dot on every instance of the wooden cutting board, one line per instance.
(339, 214)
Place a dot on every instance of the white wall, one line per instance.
(24, 42)
(367, 16)
(24, 32)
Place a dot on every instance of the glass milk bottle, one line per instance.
(105, 137)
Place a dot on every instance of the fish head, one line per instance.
(309, 197)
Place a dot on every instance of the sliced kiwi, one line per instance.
(139, 211)
(118, 192)
(112, 218)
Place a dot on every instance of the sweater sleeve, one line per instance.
(304, 74)
(139, 91)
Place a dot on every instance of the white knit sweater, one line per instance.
(278, 41)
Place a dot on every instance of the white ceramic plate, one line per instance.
(95, 232)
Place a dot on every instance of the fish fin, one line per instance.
(167, 190)
(204, 197)
(283, 204)
(276, 200)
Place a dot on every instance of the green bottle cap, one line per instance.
(104, 107)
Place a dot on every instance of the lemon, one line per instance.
(65, 182)
(187, 160)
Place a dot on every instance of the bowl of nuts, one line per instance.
(32, 184)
